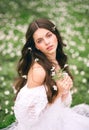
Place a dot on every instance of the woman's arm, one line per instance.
(36, 76)
(31, 99)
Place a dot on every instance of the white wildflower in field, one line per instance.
(81, 48)
(82, 73)
(6, 111)
(86, 61)
(87, 64)
(7, 92)
(21, 28)
(74, 55)
(16, 38)
(2, 36)
(18, 53)
(71, 50)
(84, 80)
(74, 67)
(0, 68)
(4, 52)
(10, 45)
(2, 47)
(6, 102)
(12, 108)
(11, 113)
(2, 78)
(76, 72)
(74, 90)
(12, 54)
(4, 84)
(79, 58)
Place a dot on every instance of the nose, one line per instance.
(46, 41)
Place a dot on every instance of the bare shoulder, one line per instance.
(36, 75)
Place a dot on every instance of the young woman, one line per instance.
(44, 83)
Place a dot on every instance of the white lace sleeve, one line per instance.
(29, 104)
(67, 102)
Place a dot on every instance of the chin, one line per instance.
(52, 51)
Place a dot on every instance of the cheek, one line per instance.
(39, 47)
(54, 39)
(55, 42)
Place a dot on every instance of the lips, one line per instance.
(49, 47)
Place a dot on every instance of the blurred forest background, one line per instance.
(72, 19)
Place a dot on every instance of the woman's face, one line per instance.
(45, 41)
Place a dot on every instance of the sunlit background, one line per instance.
(72, 19)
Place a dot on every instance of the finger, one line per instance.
(65, 92)
(67, 84)
(65, 74)
(68, 79)
(64, 77)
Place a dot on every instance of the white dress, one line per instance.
(33, 112)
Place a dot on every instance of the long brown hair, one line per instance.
(28, 56)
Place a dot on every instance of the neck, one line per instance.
(55, 63)
(52, 58)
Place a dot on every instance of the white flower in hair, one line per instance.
(53, 68)
(55, 87)
(66, 65)
(64, 74)
(53, 73)
(29, 48)
(36, 59)
(24, 76)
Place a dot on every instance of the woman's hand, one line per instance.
(64, 85)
